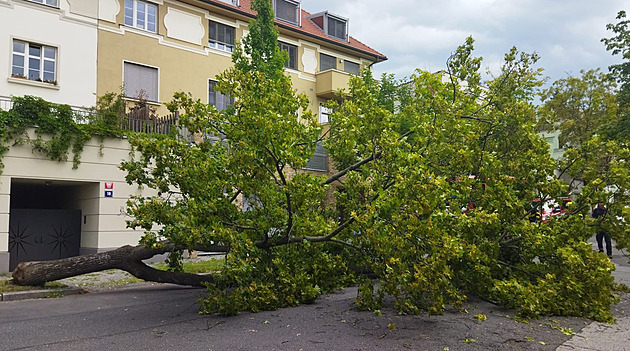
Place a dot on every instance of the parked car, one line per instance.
(542, 211)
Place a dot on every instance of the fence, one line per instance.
(140, 121)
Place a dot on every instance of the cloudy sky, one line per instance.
(423, 33)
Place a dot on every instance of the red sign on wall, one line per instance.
(109, 185)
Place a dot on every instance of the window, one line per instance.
(140, 81)
(141, 14)
(34, 61)
(327, 62)
(231, 2)
(292, 50)
(217, 99)
(333, 25)
(287, 10)
(351, 67)
(324, 113)
(221, 36)
(319, 161)
(336, 28)
(54, 3)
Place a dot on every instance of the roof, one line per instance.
(307, 28)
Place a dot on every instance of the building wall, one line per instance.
(103, 224)
(181, 53)
(71, 29)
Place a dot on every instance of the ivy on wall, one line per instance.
(57, 128)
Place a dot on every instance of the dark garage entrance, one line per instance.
(44, 222)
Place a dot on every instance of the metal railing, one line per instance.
(80, 113)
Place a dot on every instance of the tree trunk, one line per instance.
(127, 258)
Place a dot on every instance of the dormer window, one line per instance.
(336, 28)
(287, 10)
(333, 25)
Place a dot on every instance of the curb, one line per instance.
(40, 294)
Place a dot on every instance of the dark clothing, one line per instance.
(601, 235)
(598, 212)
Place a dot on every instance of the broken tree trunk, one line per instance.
(127, 258)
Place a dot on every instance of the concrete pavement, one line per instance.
(602, 336)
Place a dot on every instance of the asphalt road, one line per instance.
(165, 317)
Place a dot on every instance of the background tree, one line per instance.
(577, 107)
(619, 44)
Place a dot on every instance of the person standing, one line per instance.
(601, 234)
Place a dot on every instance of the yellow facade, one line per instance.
(186, 64)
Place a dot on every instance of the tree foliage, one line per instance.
(577, 107)
(619, 44)
(393, 205)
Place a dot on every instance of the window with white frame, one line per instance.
(140, 82)
(216, 99)
(221, 36)
(319, 161)
(324, 114)
(34, 62)
(292, 51)
(351, 67)
(141, 14)
(54, 3)
(327, 62)
(287, 10)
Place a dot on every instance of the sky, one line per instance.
(422, 34)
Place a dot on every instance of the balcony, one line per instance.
(140, 120)
(330, 82)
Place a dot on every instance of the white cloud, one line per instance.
(422, 33)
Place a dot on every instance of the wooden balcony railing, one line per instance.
(141, 121)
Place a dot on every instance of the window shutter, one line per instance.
(319, 161)
(140, 78)
(351, 67)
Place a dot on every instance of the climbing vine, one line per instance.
(58, 129)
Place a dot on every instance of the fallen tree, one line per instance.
(127, 258)
(411, 161)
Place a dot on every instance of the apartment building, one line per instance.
(70, 51)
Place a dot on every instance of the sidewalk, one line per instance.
(602, 336)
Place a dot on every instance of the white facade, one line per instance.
(49, 50)
(70, 30)
(103, 218)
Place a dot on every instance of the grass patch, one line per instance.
(196, 266)
(8, 286)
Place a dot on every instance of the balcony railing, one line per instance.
(80, 113)
(138, 120)
(141, 121)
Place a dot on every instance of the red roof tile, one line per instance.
(308, 28)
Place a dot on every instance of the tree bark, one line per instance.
(127, 258)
